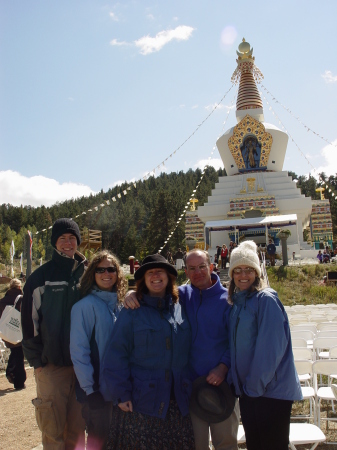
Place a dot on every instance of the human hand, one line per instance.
(130, 301)
(126, 406)
(217, 375)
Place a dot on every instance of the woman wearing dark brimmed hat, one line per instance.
(146, 366)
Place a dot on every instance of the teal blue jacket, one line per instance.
(262, 362)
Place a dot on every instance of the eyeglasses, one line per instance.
(248, 270)
(107, 269)
(202, 268)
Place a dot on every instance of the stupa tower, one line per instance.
(257, 198)
(247, 74)
(252, 145)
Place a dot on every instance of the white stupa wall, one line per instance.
(288, 199)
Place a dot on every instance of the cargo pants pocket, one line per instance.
(46, 417)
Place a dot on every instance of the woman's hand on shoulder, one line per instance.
(130, 301)
(126, 406)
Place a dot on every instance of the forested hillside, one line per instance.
(136, 224)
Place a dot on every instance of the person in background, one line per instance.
(224, 254)
(146, 366)
(103, 287)
(263, 372)
(179, 259)
(49, 294)
(15, 371)
(271, 250)
(319, 256)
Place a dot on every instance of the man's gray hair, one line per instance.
(198, 250)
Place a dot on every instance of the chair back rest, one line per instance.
(298, 342)
(304, 334)
(324, 367)
(327, 326)
(333, 352)
(303, 366)
(302, 353)
(327, 333)
(324, 342)
(304, 326)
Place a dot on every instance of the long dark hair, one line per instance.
(171, 287)
(88, 279)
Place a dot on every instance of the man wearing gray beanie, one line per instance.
(49, 294)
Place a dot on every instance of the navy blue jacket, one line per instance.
(149, 351)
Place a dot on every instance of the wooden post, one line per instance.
(29, 260)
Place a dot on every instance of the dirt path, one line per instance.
(18, 428)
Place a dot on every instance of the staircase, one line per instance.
(224, 277)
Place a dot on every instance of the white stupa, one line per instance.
(257, 198)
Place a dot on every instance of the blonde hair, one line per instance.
(15, 283)
(88, 279)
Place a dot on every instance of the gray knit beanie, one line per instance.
(62, 226)
(245, 255)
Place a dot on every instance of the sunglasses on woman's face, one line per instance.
(103, 269)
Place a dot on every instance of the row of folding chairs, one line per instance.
(308, 372)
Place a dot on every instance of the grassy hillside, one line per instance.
(299, 285)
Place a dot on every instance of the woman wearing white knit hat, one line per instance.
(263, 372)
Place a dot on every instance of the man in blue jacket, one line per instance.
(207, 309)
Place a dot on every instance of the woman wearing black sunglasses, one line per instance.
(103, 287)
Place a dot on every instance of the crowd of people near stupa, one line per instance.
(164, 366)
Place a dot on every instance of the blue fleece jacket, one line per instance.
(261, 351)
(92, 321)
(208, 313)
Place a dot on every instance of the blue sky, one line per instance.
(93, 93)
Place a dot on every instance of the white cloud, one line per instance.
(228, 36)
(328, 77)
(17, 190)
(212, 106)
(117, 43)
(194, 106)
(148, 44)
(150, 16)
(215, 162)
(113, 17)
(329, 163)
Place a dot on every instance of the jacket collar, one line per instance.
(215, 290)
(157, 302)
(106, 296)
(68, 263)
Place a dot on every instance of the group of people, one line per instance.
(158, 367)
(326, 255)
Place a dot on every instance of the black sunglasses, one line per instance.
(103, 269)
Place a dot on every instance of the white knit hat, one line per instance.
(245, 255)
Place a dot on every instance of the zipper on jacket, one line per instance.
(236, 368)
(196, 317)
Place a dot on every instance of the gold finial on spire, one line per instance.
(245, 52)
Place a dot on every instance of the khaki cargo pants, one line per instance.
(58, 413)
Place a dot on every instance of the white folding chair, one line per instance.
(326, 326)
(322, 345)
(304, 326)
(300, 434)
(299, 342)
(327, 333)
(333, 352)
(303, 353)
(326, 367)
(304, 371)
(305, 433)
(308, 335)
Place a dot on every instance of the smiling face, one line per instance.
(106, 280)
(67, 244)
(245, 279)
(199, 270)
(156, 281)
